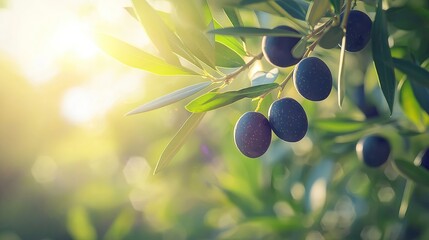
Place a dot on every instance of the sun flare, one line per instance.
(74, 37)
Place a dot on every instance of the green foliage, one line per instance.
(213, 100)
(303, 187)
(382, 56)
(414, 173)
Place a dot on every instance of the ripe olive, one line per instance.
(252, 134)
(278, 50)
(358, 31)
(373, 150)
(312, 79)
(288, 119)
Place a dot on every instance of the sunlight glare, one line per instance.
(83, 103)
(74, 36)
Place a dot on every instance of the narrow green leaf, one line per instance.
(138, 58)
(422, 95)
(227, 58)
(178, 140)
(275, 224)
(253, 31)
(332, 38)
(261, 78)
(382, 56)
(414, 72)
(296, 8)
(338, 125)
(213, 100)
(233, 16)
(156, 29)
(337, 5)
(170, 98)
(300, 48)
(174, 41)
(341, 89)
(191, 26)
(412, 172)
(403, 18)
(230, 41)
(293, 10)
(410, 106)
(317, 10)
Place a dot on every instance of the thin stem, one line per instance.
(284, 82)
(346, 15)
(230, 77)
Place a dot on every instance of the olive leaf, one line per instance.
(178, 140)
(170, 98)
(382, 56)
(213, 100)
(135, 57)
(412, 172)
(156, 29)
(317, 10)
(253, 31)
(414, 72)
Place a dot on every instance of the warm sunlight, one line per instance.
(74, 37)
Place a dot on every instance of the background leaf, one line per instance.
(230, 41)
(155, 29)
(253, 31)
(213, 100)
(178, 140)
(382, 56)
(317, 10)
(412, 172)
(339, 125)
(422, 95)
(414, 72)
(135, 57)
(294, 8)
(227, 58)
(403, 18)
(170, 98)
(337, 5)
(410, 106)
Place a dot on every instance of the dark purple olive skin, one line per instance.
(358, 32)
(373, 150)
(278, 50)
(288, 119)
(312, 79)
(423, 158)
(252, 134)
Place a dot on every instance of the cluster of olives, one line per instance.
(312, 80)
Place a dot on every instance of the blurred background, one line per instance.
(72, 166)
